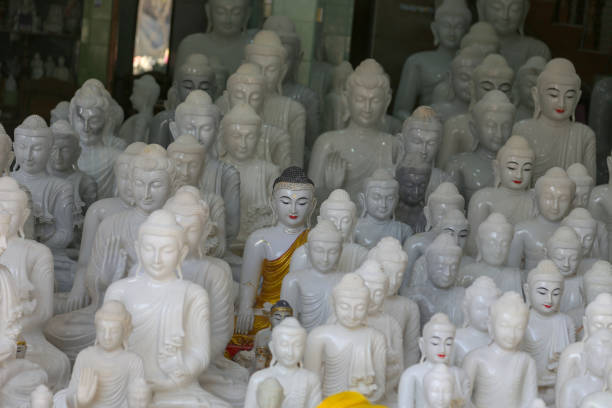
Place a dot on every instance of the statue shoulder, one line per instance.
(584, 130)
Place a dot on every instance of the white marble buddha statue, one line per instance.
(492, 118)
(552, 132)
(601, 399)
(348, 354)
(199, 117)
(239, 133)
(389, 254)
(6, 152)
(342, 212)
(225, 37)
(343, 158)
(248, 85)
(554, 194)
(113, 252)
(483, 35)
(438, 387)
(89, 117)
(597, 316)
(436, 346)
(31, 266)
(145, 92)
(584, 184)
(60, 111)
(439, 293)
(423, 70)
(104, 373)
(41, 397)
(335, 114)
(600, 206)
(487, 366)
(301, 387)
(267, 51)
(378, 200)
(511, 193)
(285, 28)
(526, 78)
(308, 290)
(492, 73)
(549, 330)
(479, 297)
(508, 18)
(270, 394)
(597, 354)
(455, 94)
(171, 316)
(493, 240)
(597, 279)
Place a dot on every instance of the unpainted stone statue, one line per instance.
(145, 92)
(483, 35)
(438, 387)
(335, 116)
(61, 111)
(414, 176)
(600, 205)
(526, 78)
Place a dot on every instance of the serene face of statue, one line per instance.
(32, 153)
(189, 82)
(412, 185)
(439, 394)
(545, 296)
(554, 200)
(64, 153)
(188, 167)
(438, 344)
(293, 206)
(599, 321)
(492, 81)
(508, 329)
(342, 219)
(378, 293)
(583, 192)
(324, 255)
(16, 210)
(288, 348)
(424, 142)
(442, 269)
(381, 199)
(192, 225)
(241, 141)
(251, 94)
(566, 259)
(462, 80)
(366, 106)
(558, 101)
(150, 188)
(504, 15)
(202, 127)
(450, 29)
(109, 334)
(478, 310)
(89, 124)
(228, 16)
(395, 274)
(159, 255)
(494, 128)
(278, 315)
(494, 246)
(515, 171)
(351, 309)
(271, 67)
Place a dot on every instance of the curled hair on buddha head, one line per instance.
(293, 177)
(283, 305)
(155, 157)
(369, 74)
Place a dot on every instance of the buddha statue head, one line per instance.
(292, 198)
(493, 118)
(350, 298)
(565, 250)
(544, 288)
(192, 214)
(199, 117)
(6, 152)
(144, 93)
(380, 195)
(526, 78)
(479, 297)
(89, 114)
(492, 73)
(442, 258)
(598, 314)
(461, 71)
(66, 150)
(247, 85)
(239, 133)
(161, 246)
(227, 18)
(444, 198)
(438, 339)
(585, 227)
(422, 133)
(368, 94)
(41, 397)
(389, 253)
(113, 326)
(114, 114)
(455, 224)
(32, 146)
(508, 317)
(597, 280)
(451, 21)
(324, 246)
(584, 184)
(189, 157)
(14, 201)
(483, 36)
(413, 175)
(557, 91)
(287, 343)
(152, 178)
(341, 211)
(267, 51)
(506, 16)
(140, 394)
(279, 311)
(122, 169)
(493, 240)
(61, 111)
(270, 394)
(194, 73)
(514, 164)
(554, 194)
(377, 283)
(285, 28)
(439, 386)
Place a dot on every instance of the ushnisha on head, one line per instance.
(108, 318)
(492, 73)
(389, 253)
(199, 117)
(376, 281)
(351, 298)
(508, 318)
(557, 91)
(445, 197)
(285, 28)
(493, 108)
(61, 111)
(565, 250)
(339, 209)
(554, 194)
(247, 85)
(494, 237)
(442, 257)
(287, 343)
(422, 133)
(292, 198)
(438, 338)
(451, 20)
(380, 195)
(324, 246)
(478, 298)
(513, 164)
(368, 92)
(544, 288)
(194, 73)
(483, 36)
(240, 132)
(267, 50)
(584, 184)
(585, 226)
(597, 280)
